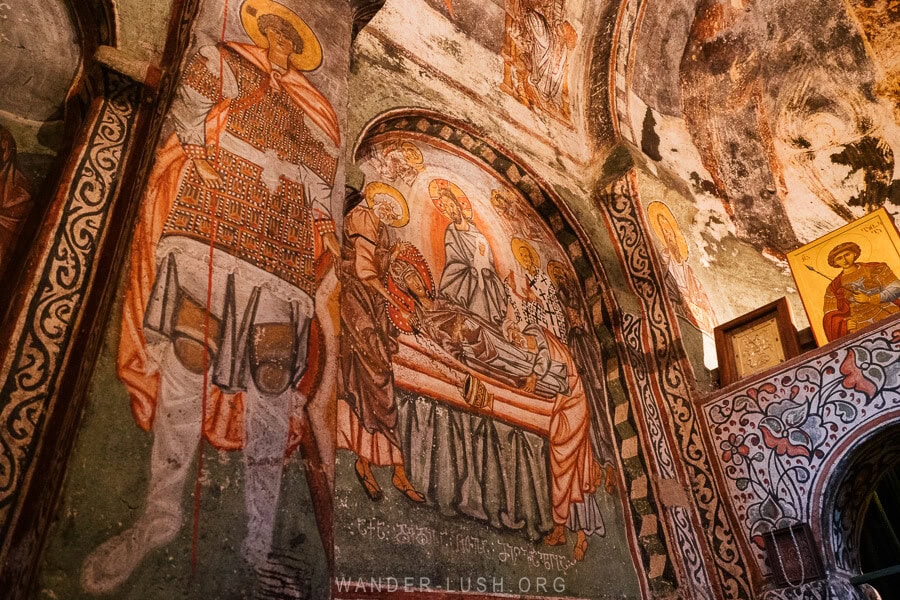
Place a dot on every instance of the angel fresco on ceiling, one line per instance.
(824, 145)
(537, 49)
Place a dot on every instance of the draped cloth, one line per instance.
(572, 464)
(367, 412)
(479, 466)
(470, 278)
(475, 465)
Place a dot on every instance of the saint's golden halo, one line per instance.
(658, 209)
(436, 186)
(518, 244)
(558, 273)
(376, 188)
(416, 158)
(309, 58)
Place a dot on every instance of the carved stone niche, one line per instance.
(793, 556)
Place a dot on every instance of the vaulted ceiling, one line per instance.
(760, 124)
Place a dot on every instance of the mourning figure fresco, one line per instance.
(465, 351)
(367, 340)
(228, 331)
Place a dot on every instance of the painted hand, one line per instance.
(208, 173)
(329, 240)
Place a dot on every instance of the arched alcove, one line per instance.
(848, 504)
(540, 278)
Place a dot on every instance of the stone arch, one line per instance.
(649, 550)
(855, 471)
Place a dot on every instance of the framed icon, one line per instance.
(755, 341)
(847, 279)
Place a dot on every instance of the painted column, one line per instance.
(709, 562)
(45, 321)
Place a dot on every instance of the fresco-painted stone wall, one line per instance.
(399, 63)
(788, 445)
(39, 60)
(475, 448)
(660, 382)
(776, 127)
(203, 462)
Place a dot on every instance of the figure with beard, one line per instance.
(367, 411)
(469, 279)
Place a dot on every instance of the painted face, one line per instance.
(844, 259)
(527, 259)
(668, 235)
(385, 210)
(454, 212)
(280, 45)
(414, 284)
(411, 155)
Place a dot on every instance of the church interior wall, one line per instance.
(440, 299)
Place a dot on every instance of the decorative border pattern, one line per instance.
(781, 439)
(29, 377)
(660, 339)
(651, 538)
(836, 587)
(641, 507)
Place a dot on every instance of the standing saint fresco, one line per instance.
(470, 278)
(537, 48)
(688, 288)
(234, 235)
(861, 294)
(579, 442)
(588, 360)
(367, 414)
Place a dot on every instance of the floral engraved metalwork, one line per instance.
(54, 306)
